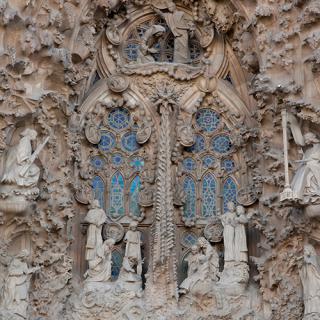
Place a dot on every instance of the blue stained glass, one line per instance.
(119, 118)
(137, 163)
(209, 187)
(117, 196)
(98, 162)
(208, 161)
(229, 193)
(107, 142)
(189, 187)
(98, 190)
(117, 159)
(228, 165)
(189, 239)
(198, 146)
(207, 120)
(221, 144)
(189, 164)
(131, 51)
(129, 142)
(134, 197)
(117, 259)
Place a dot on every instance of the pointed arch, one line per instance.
(134, 190)
(116, 204)
(189, 187)
(98, 188)
(209, 194)
(229, 192)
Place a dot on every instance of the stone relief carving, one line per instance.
(310, 278)
(53, 55)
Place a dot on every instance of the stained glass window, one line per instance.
(189, 164)
(116, 209)
(189, 239)
(98, 190)
(117, 159)
(221, 144)
(107, 142)
(209, 186)
(229, 193)
(208, 161)
(228, 165)
(207, 120)
(131, 51)
(129, 142)
(189, 187)
(119, 118)
(117, 259)
(137, 163)
(134, 197)
(98, 162)
(198, 146)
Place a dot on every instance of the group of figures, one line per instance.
(99, 254)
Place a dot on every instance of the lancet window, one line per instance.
(118, 164)
(208, 166)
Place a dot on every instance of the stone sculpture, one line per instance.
(100, 268)
(306, 181)
(310, 278)
(96, 218)
(131, 271)
(234, 234)
(16, 288)
(182, 27)
(147, 49)
(20, 174)
(203, 269)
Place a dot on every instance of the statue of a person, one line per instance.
(181, 26)
(306, 181)
(96, 218)
(133, 249)
(310, 278)
(228, 222)
(19, 169)
(17, 283)
(240, 238)
(100, 267)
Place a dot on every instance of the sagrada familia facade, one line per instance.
(159, 160)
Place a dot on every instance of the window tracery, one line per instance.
(118, 164)
(208, 167)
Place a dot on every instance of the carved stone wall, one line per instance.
(165, 112)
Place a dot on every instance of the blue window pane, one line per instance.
(117, 159)
(189, 239)
(229, 193)
(137, 163)
(129, 142)
(98, 162)
(117, 196)
(221, 144)
(117, 259)
(134, 197)
(131, 51)
(98, 188)
(189, 187)
(208, 161)
(228, 165)
(209, 187)
(107, 142)
(119, 118)
(198, 146)
(207, 120)
(189, 164)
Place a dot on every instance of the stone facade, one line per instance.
(159, 159)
